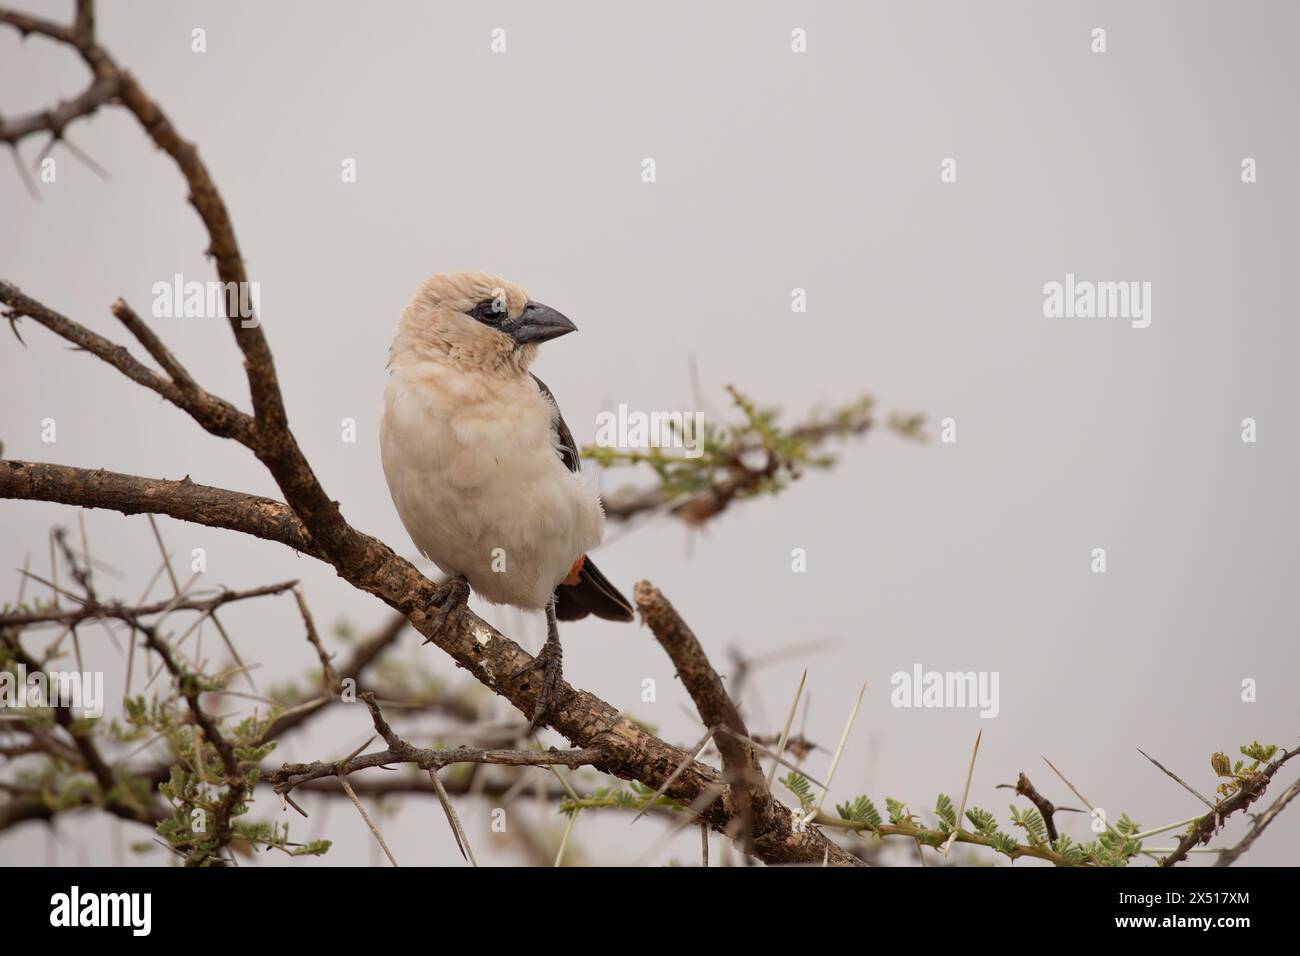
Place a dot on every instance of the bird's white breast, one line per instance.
(475, 477)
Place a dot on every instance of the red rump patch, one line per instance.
(575, 570)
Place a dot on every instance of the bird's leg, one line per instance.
(455, 598)
(549, 662)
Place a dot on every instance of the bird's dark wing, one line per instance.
(567, 447)
(593, 594)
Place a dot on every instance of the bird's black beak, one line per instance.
(538, 323)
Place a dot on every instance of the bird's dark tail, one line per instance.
(593, 594)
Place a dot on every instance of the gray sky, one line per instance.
(775, 170)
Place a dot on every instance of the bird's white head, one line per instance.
(474, 321)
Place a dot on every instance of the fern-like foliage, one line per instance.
(798, 784)
(860, 810)
(943, 808)
(985, 823)
(1004, 843)
(897, 811)
(755, 455)
(1031, 821)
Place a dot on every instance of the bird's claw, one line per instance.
(454, 601)
(549, 661)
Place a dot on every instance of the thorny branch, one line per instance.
(90, 611)
(399, 751)
(1230, 856)
(1247, 793)
(235, 778)
(731, 463)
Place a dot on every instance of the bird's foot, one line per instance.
(549, 661)
(454, 601)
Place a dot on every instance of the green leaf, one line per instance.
(897, 811)
(798, 784)
(1031, 821)
(984, 822)
(1004, 843)
(944, 809)
(860, 810)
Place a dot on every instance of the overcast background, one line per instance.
(776, 170)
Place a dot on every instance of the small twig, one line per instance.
(155, 347)
(1045, 807)
(330, 683)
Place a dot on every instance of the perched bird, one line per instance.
(482, 468)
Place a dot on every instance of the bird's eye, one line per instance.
(489, 312)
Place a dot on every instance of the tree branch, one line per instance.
(130, 494)
(716, 709)
(55, 121)
(214, 414)
(1249, 792)
(1229, 857)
